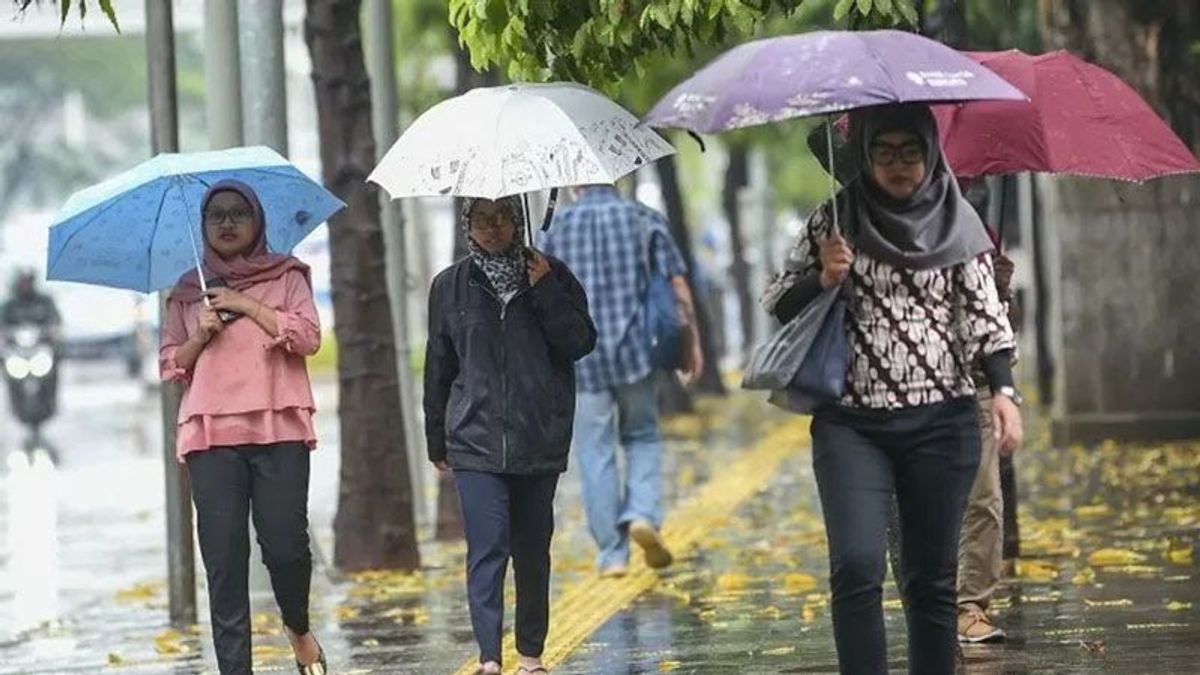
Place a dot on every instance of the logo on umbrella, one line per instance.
(940, 79)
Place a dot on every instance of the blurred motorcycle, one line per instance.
(30, 362)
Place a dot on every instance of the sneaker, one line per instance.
(657, 555)
(974, 627)
(614, 572)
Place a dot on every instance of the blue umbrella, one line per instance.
(141, 230)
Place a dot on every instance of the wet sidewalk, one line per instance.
(1108, 584)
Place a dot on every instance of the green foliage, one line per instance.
(994, 25)
(423, 37)
(64, 7)
(601, 42)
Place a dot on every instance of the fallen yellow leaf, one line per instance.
(1037, 570)
(1114, 556)
(1180, 556)
(1093, 511)
(168, 642)
(808, 614)
(799, 582)
(1122, 602)
(115, 659)
(346, 612)
(1085, 576)
(732, 581)
(1177, 606)
(668, 666)
(141, 592)
(780, 651)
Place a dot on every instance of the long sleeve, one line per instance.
(299, 325)
(561, 306)
(790, 291)
(983, 325)
(174, 334)
(441, 369)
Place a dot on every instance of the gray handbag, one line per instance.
(774, 364)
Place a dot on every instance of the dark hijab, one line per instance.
(934, 228)
(505, 270)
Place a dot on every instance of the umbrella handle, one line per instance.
(550, 205)
(837, 229)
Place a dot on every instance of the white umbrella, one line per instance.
(499, 141)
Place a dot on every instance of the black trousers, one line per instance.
(508, 516)
(228, 485)
(925, 459)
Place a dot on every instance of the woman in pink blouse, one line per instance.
(245, 424)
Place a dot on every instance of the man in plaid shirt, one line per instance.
(613, 245)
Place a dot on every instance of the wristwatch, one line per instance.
(1011, 393)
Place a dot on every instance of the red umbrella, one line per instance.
(1080, 120)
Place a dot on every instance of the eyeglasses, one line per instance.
(496, 222)
(886, 154)
(239, 215)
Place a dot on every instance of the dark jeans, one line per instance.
(508, 516)
(228, 484)
(924, 458)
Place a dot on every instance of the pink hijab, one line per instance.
(243, 271)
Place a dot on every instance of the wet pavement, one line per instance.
(1108, 584)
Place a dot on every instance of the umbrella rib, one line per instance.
(1130, 167)
(153, 234)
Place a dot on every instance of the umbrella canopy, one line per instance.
(500, 141)
(821, 72)
(1080, 119)
(141, 230)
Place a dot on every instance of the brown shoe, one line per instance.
(657, 555)
(614, 572)
(974, 627)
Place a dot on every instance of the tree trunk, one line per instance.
(737, 176)
(374, 524)
(668, 177)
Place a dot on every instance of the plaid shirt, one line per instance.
(603, 238)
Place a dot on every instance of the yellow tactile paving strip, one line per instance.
(579, 612)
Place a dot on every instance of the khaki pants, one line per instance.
(980, 561)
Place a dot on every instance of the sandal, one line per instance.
(318, 667)
(533, 670)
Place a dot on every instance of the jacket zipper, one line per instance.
(503, 373)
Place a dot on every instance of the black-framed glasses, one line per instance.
(238, 215)
(496, 222)
(886, 154)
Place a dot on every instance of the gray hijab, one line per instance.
(934, 228)
(506, 271)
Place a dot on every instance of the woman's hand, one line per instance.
(208, 325)
(537, 265)
(443, 467)
(1006, 424)
(836, 259)
(230, 300)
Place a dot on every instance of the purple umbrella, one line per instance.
(823, 72)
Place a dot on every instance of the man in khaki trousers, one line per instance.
(980, 552)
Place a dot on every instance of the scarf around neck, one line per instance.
(506, 271)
